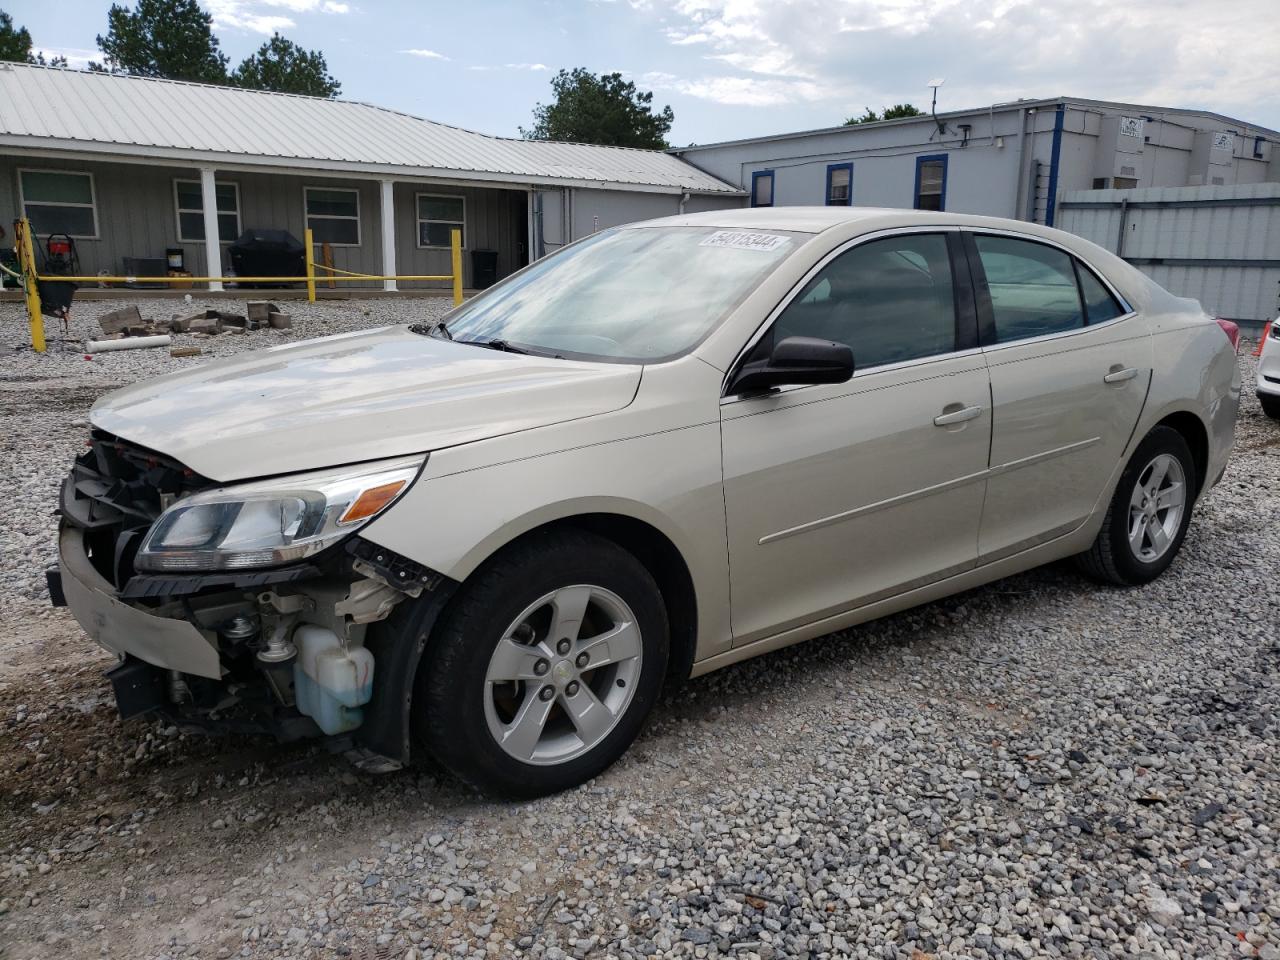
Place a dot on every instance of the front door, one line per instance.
(839, 495)
(1070, 367)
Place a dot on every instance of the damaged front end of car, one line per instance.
(251, 607)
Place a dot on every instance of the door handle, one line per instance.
(957, 416)
(1120, 376)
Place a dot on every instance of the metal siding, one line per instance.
(1208, 231)
(135, 210)
(599, 209)
(43, 103)
(703, 203)
(981, 177)
(490, 225)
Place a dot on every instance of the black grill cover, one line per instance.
(268, 253)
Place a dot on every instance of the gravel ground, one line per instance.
(1037, 768)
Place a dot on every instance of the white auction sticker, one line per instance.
(741, 240)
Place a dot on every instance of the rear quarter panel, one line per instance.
(1196, 371)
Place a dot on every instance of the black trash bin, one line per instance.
(484, 268)
(267, 253)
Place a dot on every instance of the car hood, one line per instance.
(353, 397)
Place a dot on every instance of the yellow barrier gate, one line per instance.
(25, 250)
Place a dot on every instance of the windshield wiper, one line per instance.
(431, 329)
(503, 345)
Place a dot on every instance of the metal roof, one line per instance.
(84, 112)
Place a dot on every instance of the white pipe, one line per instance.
(128, 343)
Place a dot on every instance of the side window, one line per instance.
(890, 300)
(1099, 304)
(1033, 288)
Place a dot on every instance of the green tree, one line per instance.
(606, 110)
(162, 38)
(15, 45)
(283, 66)
(897, 111)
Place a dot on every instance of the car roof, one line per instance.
(852, 221)
(801, 219)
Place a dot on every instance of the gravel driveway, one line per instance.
(1038, 768)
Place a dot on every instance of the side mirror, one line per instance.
(796, 360)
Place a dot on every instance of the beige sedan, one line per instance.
(668, 447)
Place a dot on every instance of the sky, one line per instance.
(743, 68)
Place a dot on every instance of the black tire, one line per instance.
(1270, 405)
(449, 716)
(1111, 559)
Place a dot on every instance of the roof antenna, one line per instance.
(933, 109)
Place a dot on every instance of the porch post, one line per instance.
(212, 249)
(388, 236)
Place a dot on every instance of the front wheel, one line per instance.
(1148, 515)
(546, 666)
(1270, 405)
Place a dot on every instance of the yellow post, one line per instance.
(27, 265)
(455, 249)
(309, 241)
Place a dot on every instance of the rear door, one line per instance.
(837, 495)
(1070, 365)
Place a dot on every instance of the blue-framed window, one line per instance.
(931, 182)
(839, 184)
(762, 188)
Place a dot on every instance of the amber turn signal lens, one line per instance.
(371, 501)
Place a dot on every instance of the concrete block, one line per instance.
(260, 311)
(208, 326)
(280, 321)
(118, 320)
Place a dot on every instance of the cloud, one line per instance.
(855, 53)
(485, 68)
(77, 57)
(255, 15)
(739, 91)
(425, 54)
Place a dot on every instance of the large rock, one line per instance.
(118, 321)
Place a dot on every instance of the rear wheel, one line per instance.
(546, 666)
(1148, 515)
(1270, 405)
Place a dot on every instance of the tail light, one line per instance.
(1232, 331)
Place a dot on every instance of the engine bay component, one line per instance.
(331, 680)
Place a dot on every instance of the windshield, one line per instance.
(638, 295)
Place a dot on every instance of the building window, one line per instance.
(839, 184)
(333, 216)
(931, 183)
(438, 216)
(188, 199)
(1257, 147)
(762, 188)
(57, 201)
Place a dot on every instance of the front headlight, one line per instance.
(271, 522)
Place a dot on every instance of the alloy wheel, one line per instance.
(1156, 508)
(562, 674)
